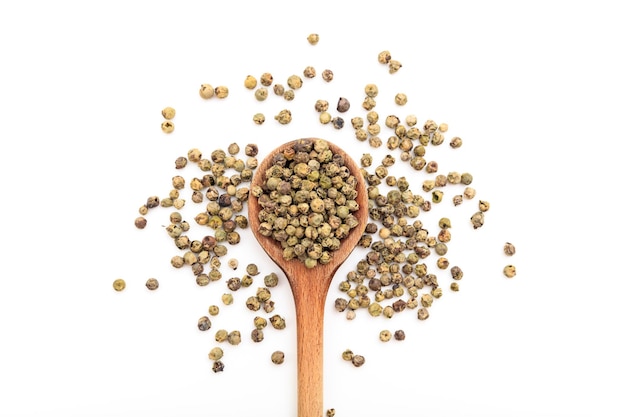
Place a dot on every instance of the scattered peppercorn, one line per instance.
(313, 38)
(152, 284)
(509, 271)
(168, 113)
(218, 366)
(221, 92)
(283, 117)
(509, 249)
(400, 99)
(358, 360)
(140, 222)
(204, 323)
(206, 91)
(167, 126)
(384, 57)
(250, 82)
(343, 105)
(216, 354)
(384, 335)
(278, 357)
(119, 284)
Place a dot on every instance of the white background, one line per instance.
(536, 91)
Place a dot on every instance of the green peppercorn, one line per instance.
(509, 249)
(257, 335)
(277, 322)
(358, 360)
(469, 193)
(152, 284)
(289, 95)
(258, 118)
(343, 105)
(168, 113)
(400, 99)
(216, 354)
(283, 117)
(218, 366)
(119, 284)
(394, 66)
(478, 219)
(294, 82)
(313, 38)
(325, 117)
(234, 337)
(204, 323)
(278, 357)
(509, 271)
(271, 280)
(221, 335)
(337, 122)
(207, 91)
(250, 82)
(167, 126)
(309, 72)
(261, 93)
(221, 92)
(384, 335)
(456, 142)
(141, 222)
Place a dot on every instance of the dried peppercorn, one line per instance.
(119, 284)
(221, 92)
(384, 335)
(283, 117)
(358, 360)
(309, 72)
(509, 249)
(399, 335)
(168, 113)
(250, 82)
(216, 354)
(234, 337)
(204, 323)
(278, 357)
(313, 38)
(141, 222)
(266, 79)
(343, 105)
(207, 91)
(152, 284)
(509, 271)
(218, 366)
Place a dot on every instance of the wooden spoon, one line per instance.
(310, 286)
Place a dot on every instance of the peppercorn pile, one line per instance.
(307, 200)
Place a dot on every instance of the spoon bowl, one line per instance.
(310, 285)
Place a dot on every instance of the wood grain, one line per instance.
(310, 287)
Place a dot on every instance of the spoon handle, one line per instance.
(309, 304)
